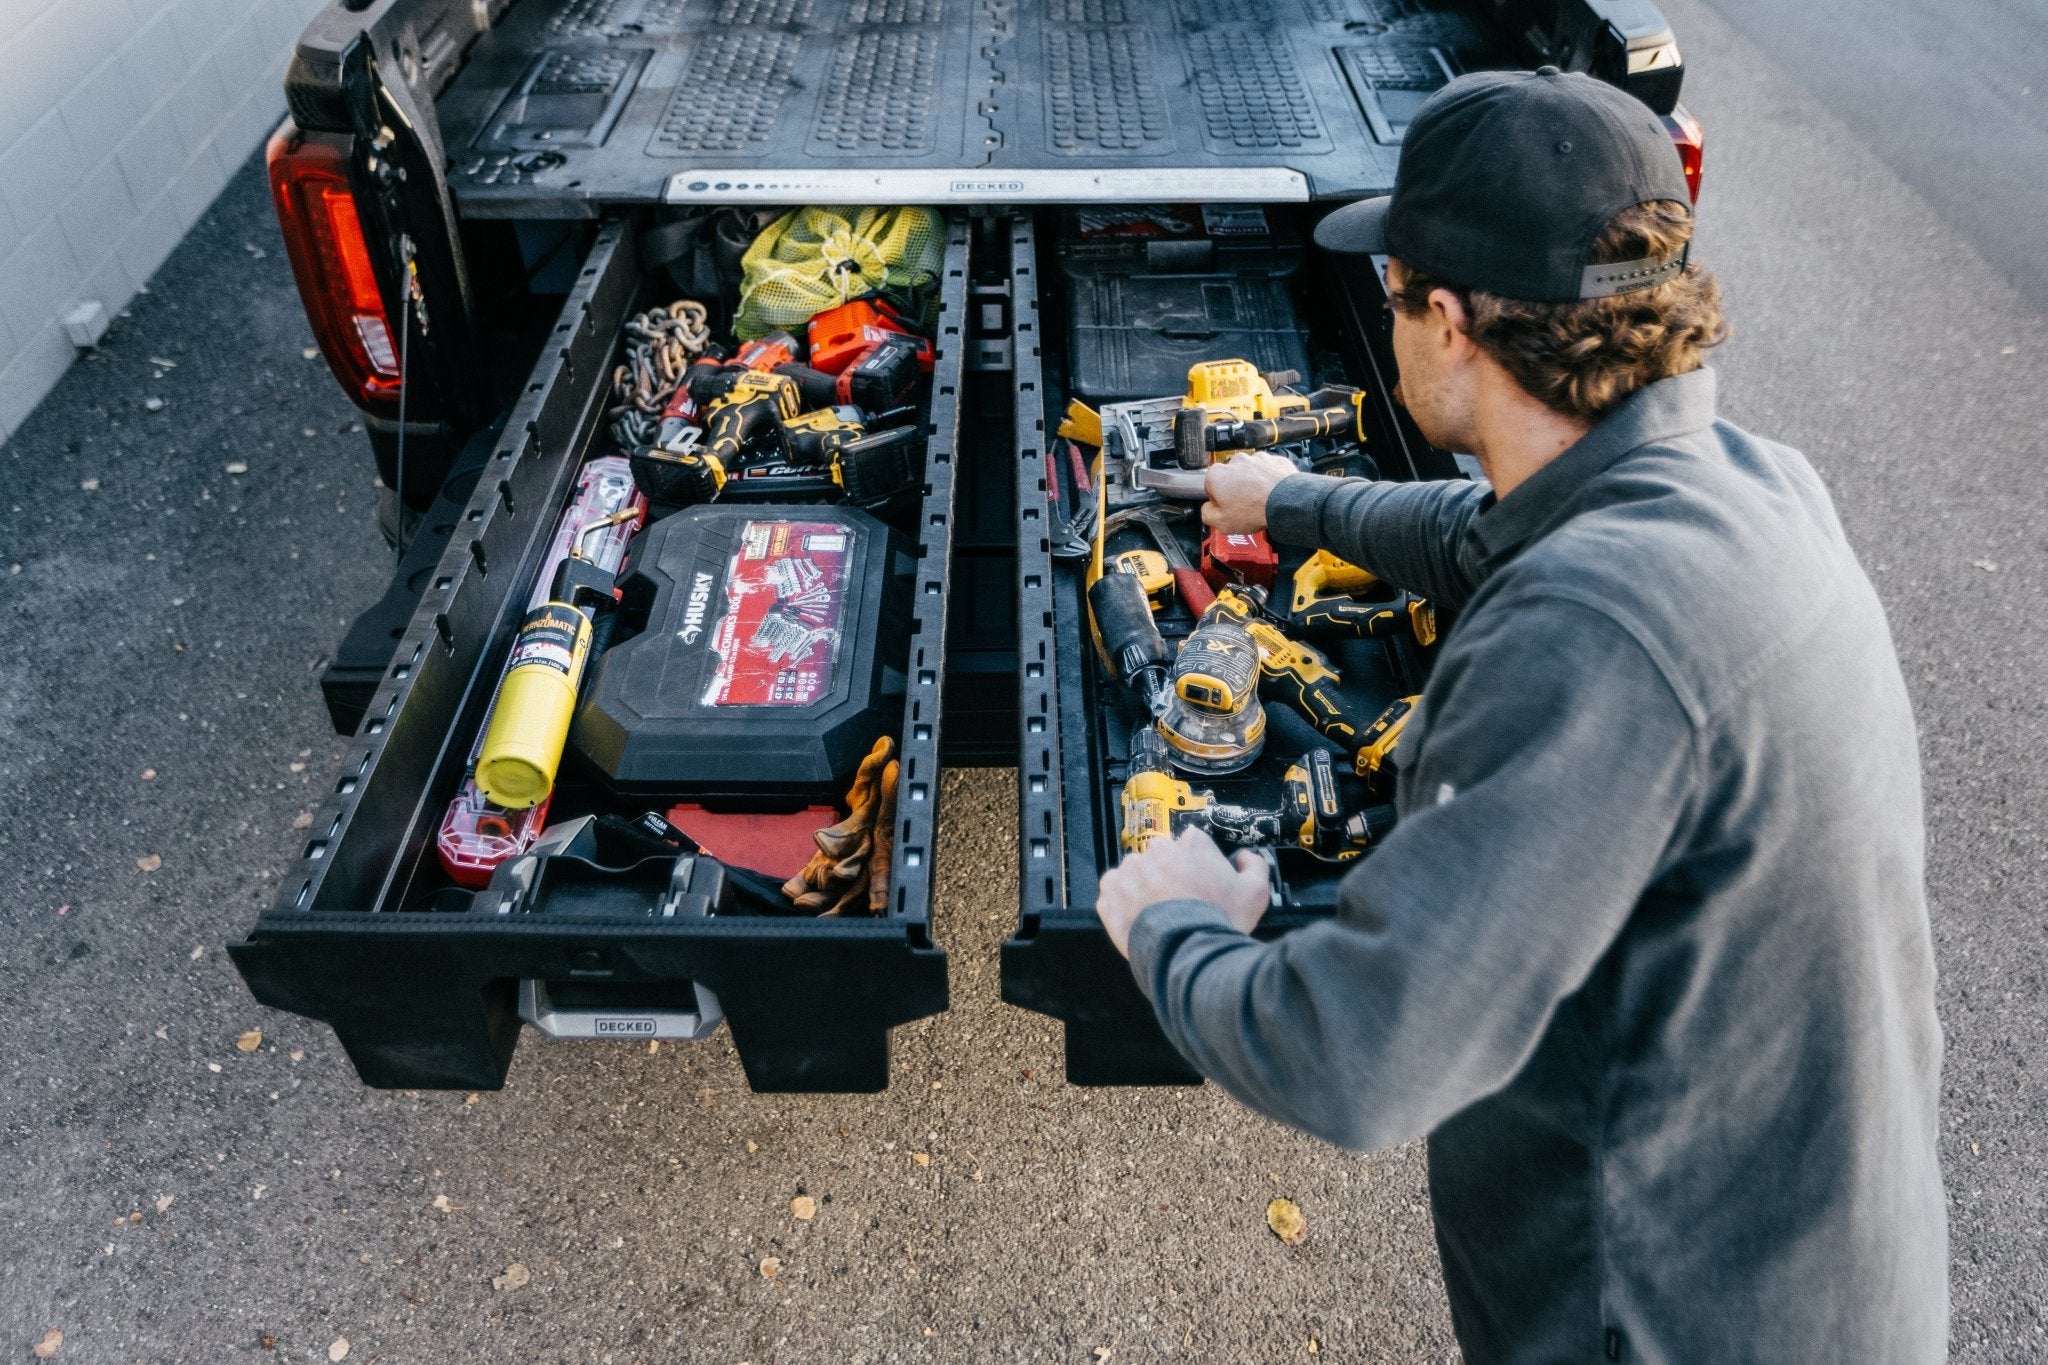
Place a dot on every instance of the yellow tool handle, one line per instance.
(1151, 801)
(1300, 675)
(1323, 575)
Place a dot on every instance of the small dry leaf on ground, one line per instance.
(515, 1277)
(771, 1266)
(921, 1158)
(703, 1097)
(149, 862)
(441, 1203)
(303, 820)
(339, 1349)
(164, 1202)
(1103, 1352)
(47, 1347)
(249, 1041)
(267, 1341)
(753, 1146)
(1286, 1221)
(472, 1098)
(803, 1208)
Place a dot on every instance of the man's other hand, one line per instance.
(1188, 868)
(1237, 489)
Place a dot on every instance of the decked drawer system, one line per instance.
(420, 978)
(566, 129)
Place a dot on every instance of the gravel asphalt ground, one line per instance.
(171, 575)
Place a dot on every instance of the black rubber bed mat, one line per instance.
(572, 103)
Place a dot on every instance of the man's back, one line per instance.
(1647, 954)
(1730, 1127)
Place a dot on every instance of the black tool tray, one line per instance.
(1077, 719)
(419, 977)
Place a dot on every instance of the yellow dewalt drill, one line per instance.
(1310, 816)
(743, 421)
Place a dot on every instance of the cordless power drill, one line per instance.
(743, 422)
(712, 375)
(1157, 805)
(867, 467)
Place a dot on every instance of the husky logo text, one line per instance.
(693, 614)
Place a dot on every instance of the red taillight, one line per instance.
(1691, 143)
(330, 259)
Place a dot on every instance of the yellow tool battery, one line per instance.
(1376, 746)
(1236, 388)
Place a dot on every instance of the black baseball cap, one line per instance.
(1506, 180)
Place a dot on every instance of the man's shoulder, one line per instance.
(1715, 551)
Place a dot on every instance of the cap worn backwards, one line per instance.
(1508, 178)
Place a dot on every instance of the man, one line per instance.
(1647, 956)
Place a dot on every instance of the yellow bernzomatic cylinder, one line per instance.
(536, 700)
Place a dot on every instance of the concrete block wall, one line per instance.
(120, 120)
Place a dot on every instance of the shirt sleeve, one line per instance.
(1552, 771)
(1411, 534)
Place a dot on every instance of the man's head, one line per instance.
(1539, 229)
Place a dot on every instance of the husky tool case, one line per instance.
(610, 926)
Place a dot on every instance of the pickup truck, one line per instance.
(476, 193)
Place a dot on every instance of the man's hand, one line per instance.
(1188, 868)
(1237, 489)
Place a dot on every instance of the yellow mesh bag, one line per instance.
(811, 259)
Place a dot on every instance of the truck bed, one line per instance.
(1081, 150)
(568, 104)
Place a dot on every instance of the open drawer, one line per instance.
(424, 982)
(1313, 313)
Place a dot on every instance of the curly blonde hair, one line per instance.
(1583, 357)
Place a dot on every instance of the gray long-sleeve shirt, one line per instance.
(1647, 955)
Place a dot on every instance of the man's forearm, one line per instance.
(1411, 534)
(1196, 970)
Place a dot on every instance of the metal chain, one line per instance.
(660, 344)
